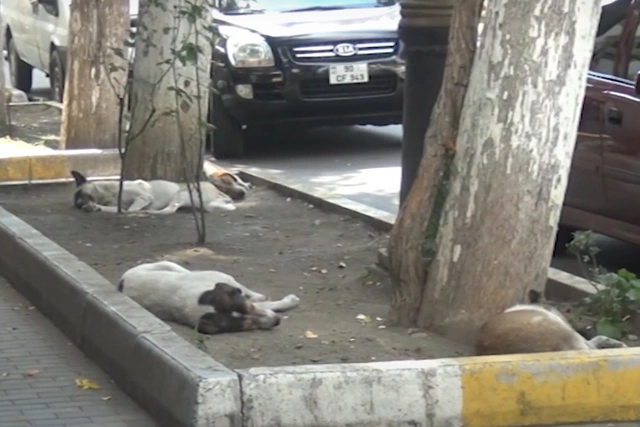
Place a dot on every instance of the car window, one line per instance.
(239, 6)
(616, 50)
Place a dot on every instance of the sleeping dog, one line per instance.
(534, 328)
(213, 301)
(225, 181)
(160, 196)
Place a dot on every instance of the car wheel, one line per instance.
(56, 76)
(564, 236)
(21, 73)
(227, 140)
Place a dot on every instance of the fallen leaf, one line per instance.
(86, 384)
(5, 374)
(106, 398)
(324, 271)
(310, 335)
(33, 372)
(342, 265)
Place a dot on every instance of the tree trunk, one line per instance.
(409, 245)
(170, 145)
(513, 155)
(90, 115)
(4, 114)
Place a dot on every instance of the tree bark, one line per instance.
(91, 106)
(513, 155)
(155, 150)
(409, 245)
(4, 114)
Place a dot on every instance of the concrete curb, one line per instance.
(500, 391)
(51, 166)
(178, 384)
(378, 219)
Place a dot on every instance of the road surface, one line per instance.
(363, 164)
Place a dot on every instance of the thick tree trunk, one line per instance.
(408, 245)
(513, 155)
(4, 114)
(155, 150)
(90, 115)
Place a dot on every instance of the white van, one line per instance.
(37, 36)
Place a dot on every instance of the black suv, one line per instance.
(297, 64)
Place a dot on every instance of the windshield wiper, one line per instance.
(313, 9)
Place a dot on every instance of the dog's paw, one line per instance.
(292, 299)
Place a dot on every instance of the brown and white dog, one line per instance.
(534, 328)
(158, 196)
(212, 301)
(224, 180)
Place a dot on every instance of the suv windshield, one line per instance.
(284, 6)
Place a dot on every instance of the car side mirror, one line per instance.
(638, 82)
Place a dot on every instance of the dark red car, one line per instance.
(603, 193)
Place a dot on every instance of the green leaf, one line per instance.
(634, 294)
(609, 279)
(626, 274)
(609, 327)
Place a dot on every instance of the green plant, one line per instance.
(616, 294)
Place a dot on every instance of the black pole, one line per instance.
(424, 31)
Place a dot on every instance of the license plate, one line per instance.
(345, 74)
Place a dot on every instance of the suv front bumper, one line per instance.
(302, 94)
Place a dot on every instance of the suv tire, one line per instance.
(564, 236)
(56, 76)
(21, 72)
(227, 140)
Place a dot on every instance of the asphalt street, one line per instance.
(363, 164)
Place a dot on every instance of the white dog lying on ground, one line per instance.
(213, 301)
(156, 196)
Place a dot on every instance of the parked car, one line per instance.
(36, 37)
(297, 64)
(603, 192)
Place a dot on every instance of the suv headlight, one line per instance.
(246, 52)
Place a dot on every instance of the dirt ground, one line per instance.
(275, 245)
(35, 124)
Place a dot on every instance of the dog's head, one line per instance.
(83, 196)
(225, 298)
(226, 181)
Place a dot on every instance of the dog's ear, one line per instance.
(534, 296)
(219, 291)
(80, 179)
(207, 297)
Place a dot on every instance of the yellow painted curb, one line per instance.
(54, 165)
(550, 388)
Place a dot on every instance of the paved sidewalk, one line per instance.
(38, 369)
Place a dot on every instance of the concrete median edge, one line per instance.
(498, 391)
(51, 166)
(178, 384)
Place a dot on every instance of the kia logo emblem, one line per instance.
(345, 49)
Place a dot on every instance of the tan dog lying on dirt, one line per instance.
(534, 328)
